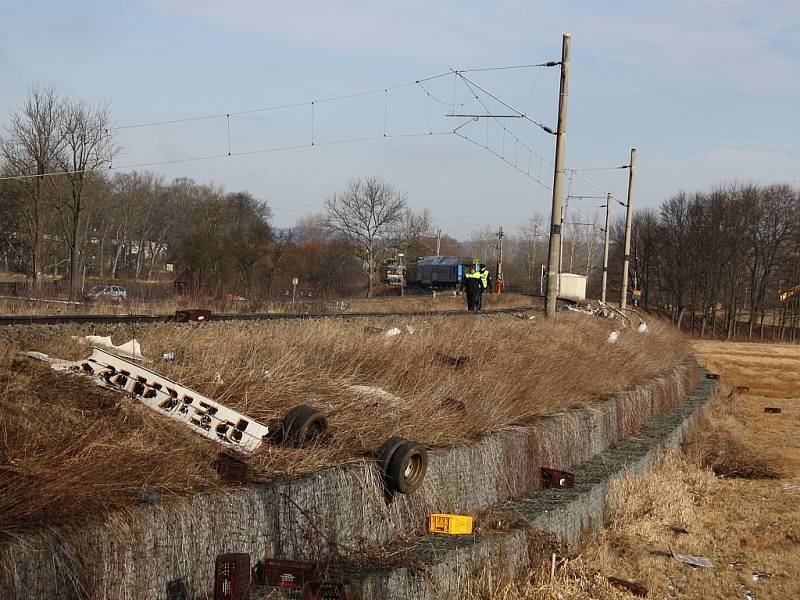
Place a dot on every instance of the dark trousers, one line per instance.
(472, 302)
(480, 301)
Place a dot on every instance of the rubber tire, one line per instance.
(401, 460)
(303, 423)
(386, 451)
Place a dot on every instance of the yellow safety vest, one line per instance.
(474, 275)
(484, 275)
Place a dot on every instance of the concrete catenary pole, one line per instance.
(605, 249)
(558, 183)
(499, 275)
(623, 294)
(438, 241)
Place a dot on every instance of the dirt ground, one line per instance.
(731, 494)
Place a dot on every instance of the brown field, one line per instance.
(68, 447)
(746, 518)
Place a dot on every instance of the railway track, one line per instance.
(172, 318)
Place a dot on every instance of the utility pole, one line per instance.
(558, 182)
(499, 282)
(605, 248)
(623, 294)
(438, 241)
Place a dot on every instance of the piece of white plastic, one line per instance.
(642, 327)
(392, 332)
(612, 339)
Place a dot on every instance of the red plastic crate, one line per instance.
(232, 577)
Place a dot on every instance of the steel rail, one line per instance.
(171, 318)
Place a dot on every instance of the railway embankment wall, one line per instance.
(167, 550)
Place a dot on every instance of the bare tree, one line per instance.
(31, 146)
(87, 147)
(364, 215)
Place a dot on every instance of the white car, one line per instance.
(115, 293)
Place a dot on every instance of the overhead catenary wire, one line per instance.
(314, 142)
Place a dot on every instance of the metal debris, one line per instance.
(131, 349)
(553, 478)
(457, 362)
(630, 586)
(678, 530)
(198, 412)
(454, 404)
(695, 561)
(193, 314)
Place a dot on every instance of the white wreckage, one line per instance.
(205, 416)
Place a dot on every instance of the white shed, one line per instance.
(572, 286)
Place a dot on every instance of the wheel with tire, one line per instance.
(303, 424)
(405, 468)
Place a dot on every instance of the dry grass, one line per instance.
(443, 301)
(769, 370)
(748, 527)
(82, 449)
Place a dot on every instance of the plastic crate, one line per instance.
(232, 577)
(450, 524)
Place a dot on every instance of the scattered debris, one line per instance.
(168, 356)
(232, 576)
(454, 404)
(748, 594)
(678, 530)
(772, 409)
(553, 478)
(392, 332)
(410, 329)
(457, 362)
(193, 314)
(742, 388)
(231, 468)
(631, 586)
(695, 561)
(200, 413)
(288, 574)
(612, 339)
(642, 327)
(218, 377)
(148, 495)
(450, 524)
(131, 349)
(712, 375)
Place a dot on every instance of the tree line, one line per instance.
(724, 262)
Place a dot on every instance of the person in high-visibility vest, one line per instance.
(486, 286)
(472, 285)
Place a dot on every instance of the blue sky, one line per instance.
(708, 92)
